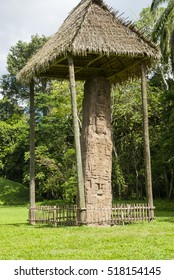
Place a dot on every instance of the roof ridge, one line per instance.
(83, 16)
(89, 3)
(75, 8)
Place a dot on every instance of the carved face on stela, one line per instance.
(101, 110)
(101, 125)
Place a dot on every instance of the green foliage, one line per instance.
(128, 157)
(147, 20)
(163, 151)
(13, 193)
(13, 142)
(56, 176)
(157, 23)
(55, 155)
(22, 51)
(164, 205)
(16, 59)
(10, 111)
(163, 31)
(11, 90)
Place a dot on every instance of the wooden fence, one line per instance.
(57, 215)
(119, 214)
(128, 213)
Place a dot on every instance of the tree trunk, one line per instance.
(44, 89)
(163, 78)
(32, 156)
(148, 174)
(171, 184)
(166, 183)
(81, 193)
(172, 50)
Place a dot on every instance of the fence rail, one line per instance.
(57, 215)
(119, 214)
(127, 213)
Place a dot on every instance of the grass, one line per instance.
(140, 241)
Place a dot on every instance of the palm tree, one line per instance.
(164, 29)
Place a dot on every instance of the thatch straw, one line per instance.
(100, 42)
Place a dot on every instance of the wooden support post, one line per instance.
(81, 191)
(32, 156)
(148, 173)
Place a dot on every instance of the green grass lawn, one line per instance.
(142, 240)
(19, 240)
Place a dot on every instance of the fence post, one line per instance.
(55, 216)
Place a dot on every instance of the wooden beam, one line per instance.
(89, 63)
(127, 67)
(81, 192)
(147, 157)
(58, 61)
(32, 156)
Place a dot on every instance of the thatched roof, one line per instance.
(100, 42)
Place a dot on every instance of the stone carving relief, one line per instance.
(97, 146)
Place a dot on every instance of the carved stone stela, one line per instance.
(97, 150)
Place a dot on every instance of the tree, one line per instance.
(146, 23)
(55, 166)
(128, 158)
(13, 144)
(127, 141)
(147, 20)
(164, 29)
(16, 59)
(9, 110)
(163, 148)
(22, 51)
(56, 175)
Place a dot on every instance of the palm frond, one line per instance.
(172, 49)
(165, 44)
(156, 3)
(164, 21)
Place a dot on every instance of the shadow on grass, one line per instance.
(165, 216)
(166, 219)
(14, 224)
(32, 226)
(169, 220)
(29, 226)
